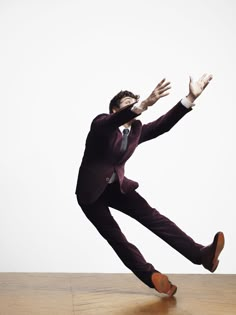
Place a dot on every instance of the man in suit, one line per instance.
(101, 182)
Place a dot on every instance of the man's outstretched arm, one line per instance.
(167, 121)
(126, 114)
(160, 91)
(195, 90)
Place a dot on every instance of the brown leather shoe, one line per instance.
(162, 284)
(210, 254)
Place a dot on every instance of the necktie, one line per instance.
(123, 147)
(124, 142)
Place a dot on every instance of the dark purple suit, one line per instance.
(101, 158)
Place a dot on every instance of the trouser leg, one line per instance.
(136, 206)
(99, 215)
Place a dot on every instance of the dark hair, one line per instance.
(115, 102)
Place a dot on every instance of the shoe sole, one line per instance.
(172, 290)
(219, 247)
(162, 284)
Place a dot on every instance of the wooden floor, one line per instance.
(113, 294)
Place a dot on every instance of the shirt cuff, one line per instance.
(137, 109)
(187, 103)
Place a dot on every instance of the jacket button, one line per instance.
(107, 179)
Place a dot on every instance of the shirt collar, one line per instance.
(122, 128)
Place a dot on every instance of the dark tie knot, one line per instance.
(124, 142)
(125, 131)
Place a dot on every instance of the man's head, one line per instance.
(122, 99)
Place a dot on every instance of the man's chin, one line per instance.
(131, 121)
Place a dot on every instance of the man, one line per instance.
(101, 182)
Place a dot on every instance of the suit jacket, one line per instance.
(102, 154)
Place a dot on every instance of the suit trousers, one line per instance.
(137, 207)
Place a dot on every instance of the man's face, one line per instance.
(125, 101)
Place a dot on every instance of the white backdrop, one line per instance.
(60, 64)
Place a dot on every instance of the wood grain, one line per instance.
(116, 294)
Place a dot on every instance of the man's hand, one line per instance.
(196, 87)
(158, 92)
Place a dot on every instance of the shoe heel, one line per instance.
(162, 284)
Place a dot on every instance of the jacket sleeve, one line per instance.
(114, 120)
(163, 123)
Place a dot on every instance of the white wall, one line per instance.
(60, 64)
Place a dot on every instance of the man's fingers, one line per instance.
(162, 86)
(203, 76)
(207, 79)
(165, 94)
(164, 89)
(160, 83)
(166, 84)
(205, 85)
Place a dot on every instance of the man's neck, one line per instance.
(128, 124)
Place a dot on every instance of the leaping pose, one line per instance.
(101, 184)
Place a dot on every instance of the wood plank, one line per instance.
(35, 294)
(116, 294)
